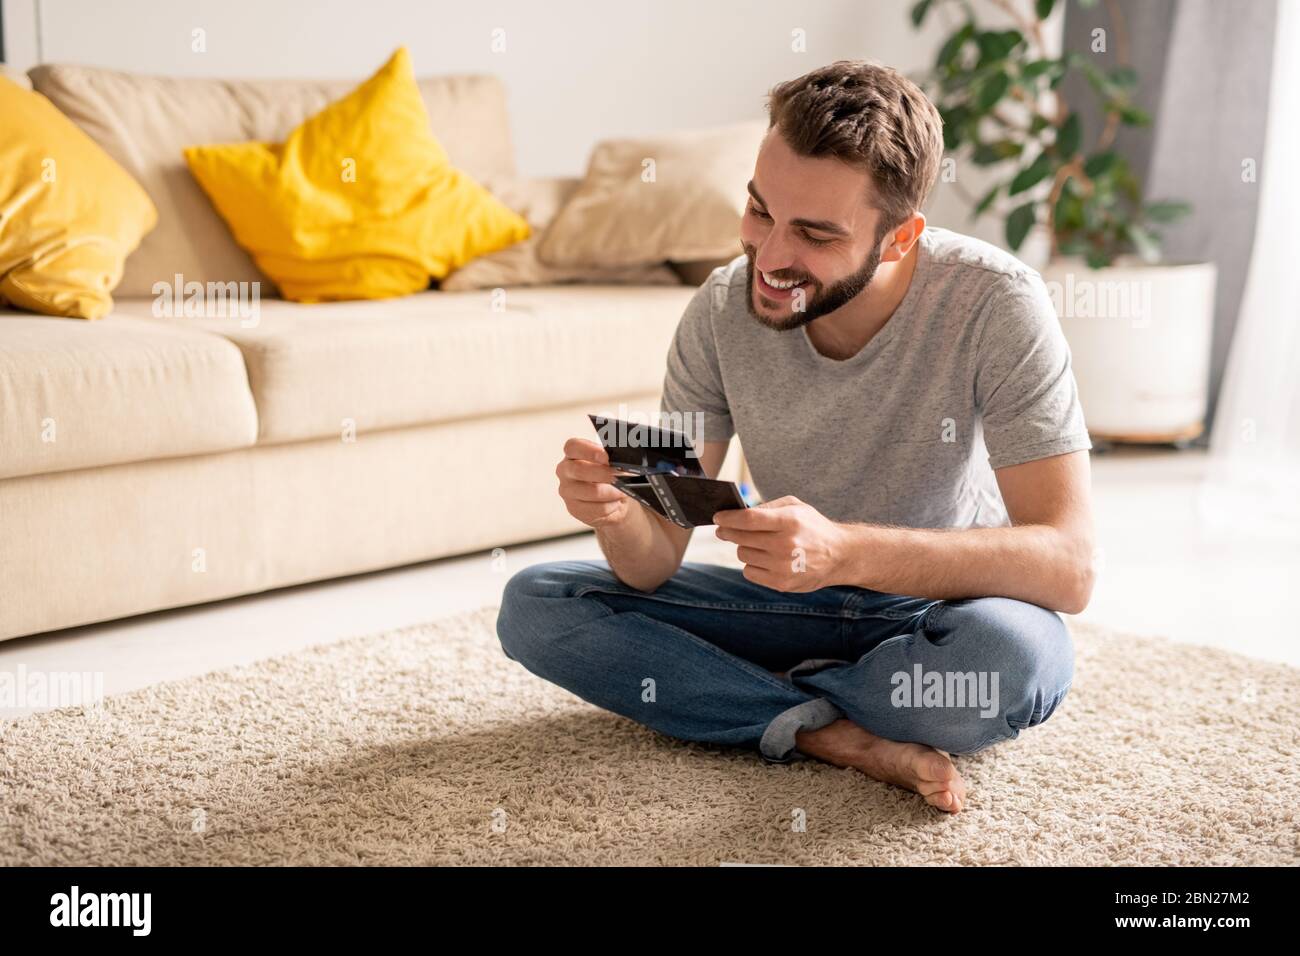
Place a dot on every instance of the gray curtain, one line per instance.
(1203, 68)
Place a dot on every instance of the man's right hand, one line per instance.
(586, 485)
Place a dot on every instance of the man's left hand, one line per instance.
(785, 544)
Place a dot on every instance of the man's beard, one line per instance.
(821, 300)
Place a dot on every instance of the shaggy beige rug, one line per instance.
(429, 746)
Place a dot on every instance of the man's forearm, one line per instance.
(1040, 564)
(638, 550)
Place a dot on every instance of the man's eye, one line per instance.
(758, 212)
(815, 241)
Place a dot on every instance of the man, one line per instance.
(904, 398)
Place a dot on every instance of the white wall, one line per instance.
(577, 70)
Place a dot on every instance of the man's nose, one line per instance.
(773, 254)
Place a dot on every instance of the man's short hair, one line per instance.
(871, 117)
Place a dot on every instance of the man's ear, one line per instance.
(903, 237)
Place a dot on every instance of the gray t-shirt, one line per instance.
(970, 373)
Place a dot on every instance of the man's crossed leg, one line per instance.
(887, 684)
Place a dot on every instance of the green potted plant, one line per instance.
(1138, 326)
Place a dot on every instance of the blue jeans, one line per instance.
(694, 658)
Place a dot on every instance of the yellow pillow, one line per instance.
(359, 202)
(69, 214)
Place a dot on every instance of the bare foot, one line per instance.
(916, 767)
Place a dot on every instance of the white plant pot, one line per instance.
(1139, 340)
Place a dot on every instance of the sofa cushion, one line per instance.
(689, 209)
(145, 121)
(402, 216)
(538, 200)
(316, 370)
(69, 215)
(81, 394)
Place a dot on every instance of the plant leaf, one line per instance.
(1098, 164)
(1134, 116)
(995, 45)
(919, 11)
(1019, 223)
(952, 46)
(1068, 137)
(982, 206)
(954, 123)
(1031, 175)
(1044, 8)
(987, 154)
(990, 91)
(1036, 68)
(1146, 244)
(1123, 76)
(1167, 210)
(1068, 213)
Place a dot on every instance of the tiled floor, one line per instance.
(1164, 573)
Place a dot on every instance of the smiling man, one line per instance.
(904, 398)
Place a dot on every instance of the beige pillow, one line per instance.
(538, 200)
(697, 272)
(678, 196)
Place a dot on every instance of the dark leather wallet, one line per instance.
(666, 479)
(645, 449)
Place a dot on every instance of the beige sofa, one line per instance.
(149, 462)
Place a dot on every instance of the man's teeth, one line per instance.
(779, 284)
